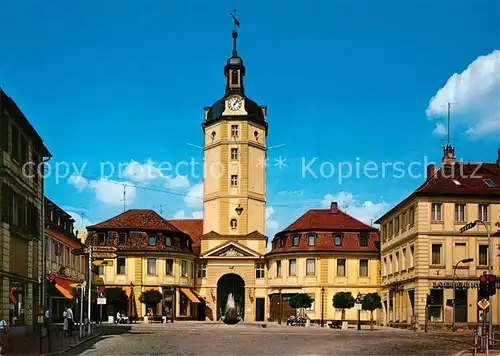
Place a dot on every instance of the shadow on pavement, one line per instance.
(29, 344)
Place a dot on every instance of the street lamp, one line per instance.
(465, 260)
(359, 301)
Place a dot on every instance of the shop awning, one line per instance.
(12, 297)
(190, 295)
(64, 287)
(64, 291)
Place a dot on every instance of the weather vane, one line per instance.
(236, 22)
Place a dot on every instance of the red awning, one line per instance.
(12, 297)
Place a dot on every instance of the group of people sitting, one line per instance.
(122, 318)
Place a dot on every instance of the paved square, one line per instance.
(215, 339)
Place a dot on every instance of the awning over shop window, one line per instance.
(190, 295)
(64, 287)
(12, 297)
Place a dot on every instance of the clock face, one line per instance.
(234, 103)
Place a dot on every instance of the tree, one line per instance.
(371, 302)
(116, 297)
(300, 301)
(343, 300)
(151, 297)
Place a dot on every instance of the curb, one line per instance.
(75, 345)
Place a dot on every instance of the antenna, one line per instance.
(124, 200)
(449, 120)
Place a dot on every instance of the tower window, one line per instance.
(234, 153)
(234, 77)
(234, 180)
(234, 130)
(233, 223)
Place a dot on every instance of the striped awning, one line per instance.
(190, 295)
(64, 291)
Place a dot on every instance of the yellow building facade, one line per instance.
(422, 246)
(322, 253)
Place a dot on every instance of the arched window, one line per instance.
(233, 223)
(234, 77)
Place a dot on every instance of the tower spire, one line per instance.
(235, 32)
(449, 150)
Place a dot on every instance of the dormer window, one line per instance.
(363, 239)
(122, 238)
(296, 239)
(101, 239)
(337, 240)
(152, 240)
(282, 242)
(168, 241)
(311, 239)
(490, 183)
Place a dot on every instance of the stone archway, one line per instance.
(230, 283)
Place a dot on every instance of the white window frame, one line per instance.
(460, 212)
(437, 209)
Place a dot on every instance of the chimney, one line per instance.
(498, 159)
(431, 170)
(449, 155)
(334, 209)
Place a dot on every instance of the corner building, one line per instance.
(422, 246)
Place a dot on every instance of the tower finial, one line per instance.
(235, 32)
(449, 120)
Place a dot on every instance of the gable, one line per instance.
(231, 249)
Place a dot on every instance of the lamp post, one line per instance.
(359, 300)
(465, 260)
(322, 306)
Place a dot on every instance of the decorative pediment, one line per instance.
(231, 249)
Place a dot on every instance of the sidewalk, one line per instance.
(29, 344)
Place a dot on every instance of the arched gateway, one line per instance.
(227, 284)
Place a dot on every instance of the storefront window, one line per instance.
(436, 308)
(183, 305)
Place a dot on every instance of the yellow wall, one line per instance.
(325, 277)
(417, 272)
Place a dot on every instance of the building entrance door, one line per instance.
(259, 309)
(233, 284)
(461, 306)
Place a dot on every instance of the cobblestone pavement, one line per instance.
(215, 339)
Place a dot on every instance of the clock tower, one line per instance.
(233, 243)
(235, 128)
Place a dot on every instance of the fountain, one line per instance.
(232, 314)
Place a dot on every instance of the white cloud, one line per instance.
(194, 198)
(440, 129)
(474, 95)
(177, 182)
(271, 224)
(366, 211)
(181, 214)
(197, 214)
(111, 192)
(291, 193)
(79, 182)
(151, 171)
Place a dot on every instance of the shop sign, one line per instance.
(458, 285)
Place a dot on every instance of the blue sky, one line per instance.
(126, 81)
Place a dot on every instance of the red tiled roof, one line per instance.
(470, 177)
(324, 219)
(65, 238)
(191, 227)
(325, 242)
(470, 181)
(140, 219)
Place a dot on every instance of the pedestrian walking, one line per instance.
(4, 330)
(65, 321)
(71, 322)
